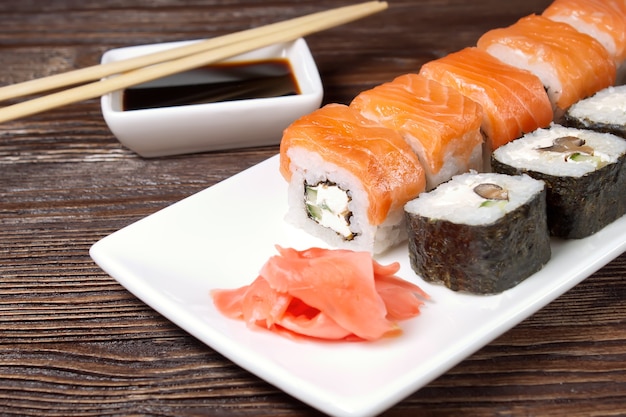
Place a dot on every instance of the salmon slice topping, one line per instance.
(513, 100)
(330, 294)
(552, 49)
(443, 121)
(604, 20)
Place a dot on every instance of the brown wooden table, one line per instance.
(74, 342)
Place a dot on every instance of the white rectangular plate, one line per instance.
(220, 238)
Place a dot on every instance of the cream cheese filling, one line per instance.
(327, 204)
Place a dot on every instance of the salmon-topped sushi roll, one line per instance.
(513, 100)
(571, 65)
(604, 20)
(441, 125)
(349, 178)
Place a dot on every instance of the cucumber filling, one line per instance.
(327, 204)
(581, 157)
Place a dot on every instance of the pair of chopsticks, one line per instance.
(161, 64)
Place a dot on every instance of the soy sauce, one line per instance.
(215, 83)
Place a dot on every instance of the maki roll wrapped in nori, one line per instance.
(605, 112)
(479, 233)
(585, 174)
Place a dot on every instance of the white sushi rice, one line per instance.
(607, 106)
(457, 202)
(310, 167)
(525, 153)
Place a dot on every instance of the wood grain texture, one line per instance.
(73, 342)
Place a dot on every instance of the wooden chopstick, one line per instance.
(157, 65)
(99, 71)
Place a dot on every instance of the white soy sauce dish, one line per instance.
(228, 123)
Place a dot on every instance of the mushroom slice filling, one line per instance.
(575, 149)
(327, 204)
(492, 193)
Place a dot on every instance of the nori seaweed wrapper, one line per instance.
(483, 259)
(615, 129)
(578, 207)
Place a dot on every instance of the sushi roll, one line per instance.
(441, 125)
(349, 179)
(513, 100)
(481, 233)
(571, 65)
(585, 173)
(604, 20)
(604, 112)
